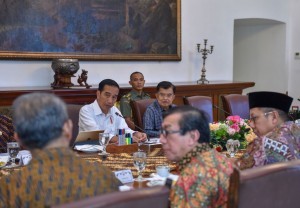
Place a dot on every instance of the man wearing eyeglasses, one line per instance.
(204, 172)
(277, 137)
(165, 94)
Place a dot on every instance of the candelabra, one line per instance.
(204, 53)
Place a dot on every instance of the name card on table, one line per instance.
(25, 156)
(125, 176)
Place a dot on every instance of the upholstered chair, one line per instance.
(236, 104)
(138, 109)
(203, 103)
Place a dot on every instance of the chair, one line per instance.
(73, 111)
(138, 109)
(203, 103)
(236, 104)
(157, 197)
(275, 186)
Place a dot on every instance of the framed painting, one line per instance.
(91, 29)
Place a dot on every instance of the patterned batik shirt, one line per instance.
(6, 132)
(280, 145)
(153, 119)
(204, 179)
(55, 176)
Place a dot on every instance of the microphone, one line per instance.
(221, 109)
(139, 128)
(136, 126)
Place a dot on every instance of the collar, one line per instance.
(159, 107)
(97, 109)
(201, 147)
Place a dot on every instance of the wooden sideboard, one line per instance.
(78, 95)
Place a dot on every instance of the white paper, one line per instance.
(88, 147)
(25, 157)
(125, 176)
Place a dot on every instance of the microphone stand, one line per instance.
(139, 128)
(221, 109)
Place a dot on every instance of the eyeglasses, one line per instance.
(254, 118)
(165, 132)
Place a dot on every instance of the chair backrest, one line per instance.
(73, 111)
(138, 109)
(236, 104)
(203, 103)
(275, 186)
(157, 197)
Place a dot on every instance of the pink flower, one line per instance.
(234, 119)
(231, 131)
(235, 126)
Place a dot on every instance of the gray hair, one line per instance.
(38, 118)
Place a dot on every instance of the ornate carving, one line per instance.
(64, 70)
(82, 79)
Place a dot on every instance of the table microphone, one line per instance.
(139, 128)
(224, 111)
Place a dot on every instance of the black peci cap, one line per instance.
(266, 99)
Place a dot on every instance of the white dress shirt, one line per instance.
(92, 118)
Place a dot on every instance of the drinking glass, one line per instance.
(104, 140)
(232, 147)
(139, 162)
(13, 149)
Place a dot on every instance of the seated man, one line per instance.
(137, 82)
(204, 173)
(55, 174)
(103, 115)
(277, 138)
(6, 132)
(165, 94)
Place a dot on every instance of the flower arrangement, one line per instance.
(234, 127)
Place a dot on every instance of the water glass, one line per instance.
(103, 141)
(232, 147)
(13, 149)
(163, 170)
(139, 162)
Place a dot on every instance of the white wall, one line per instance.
(294, 41)
(260, 54)
(211, 19)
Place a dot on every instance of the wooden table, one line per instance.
(120, 158)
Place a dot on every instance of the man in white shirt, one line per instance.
(101, 114)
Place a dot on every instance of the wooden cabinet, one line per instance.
(78, 95)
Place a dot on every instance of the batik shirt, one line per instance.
(153, 119)
(55, 176)
(280, 145)
(6, 132)
(204, 179)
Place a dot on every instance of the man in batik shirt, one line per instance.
(277, 138)
(55, 175)
(204, 172)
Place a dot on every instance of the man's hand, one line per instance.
(139, 137)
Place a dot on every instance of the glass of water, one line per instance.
(13, 149)
(103, 141)
(139, 162)
(232, 147)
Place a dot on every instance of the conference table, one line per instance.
(120, 158)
